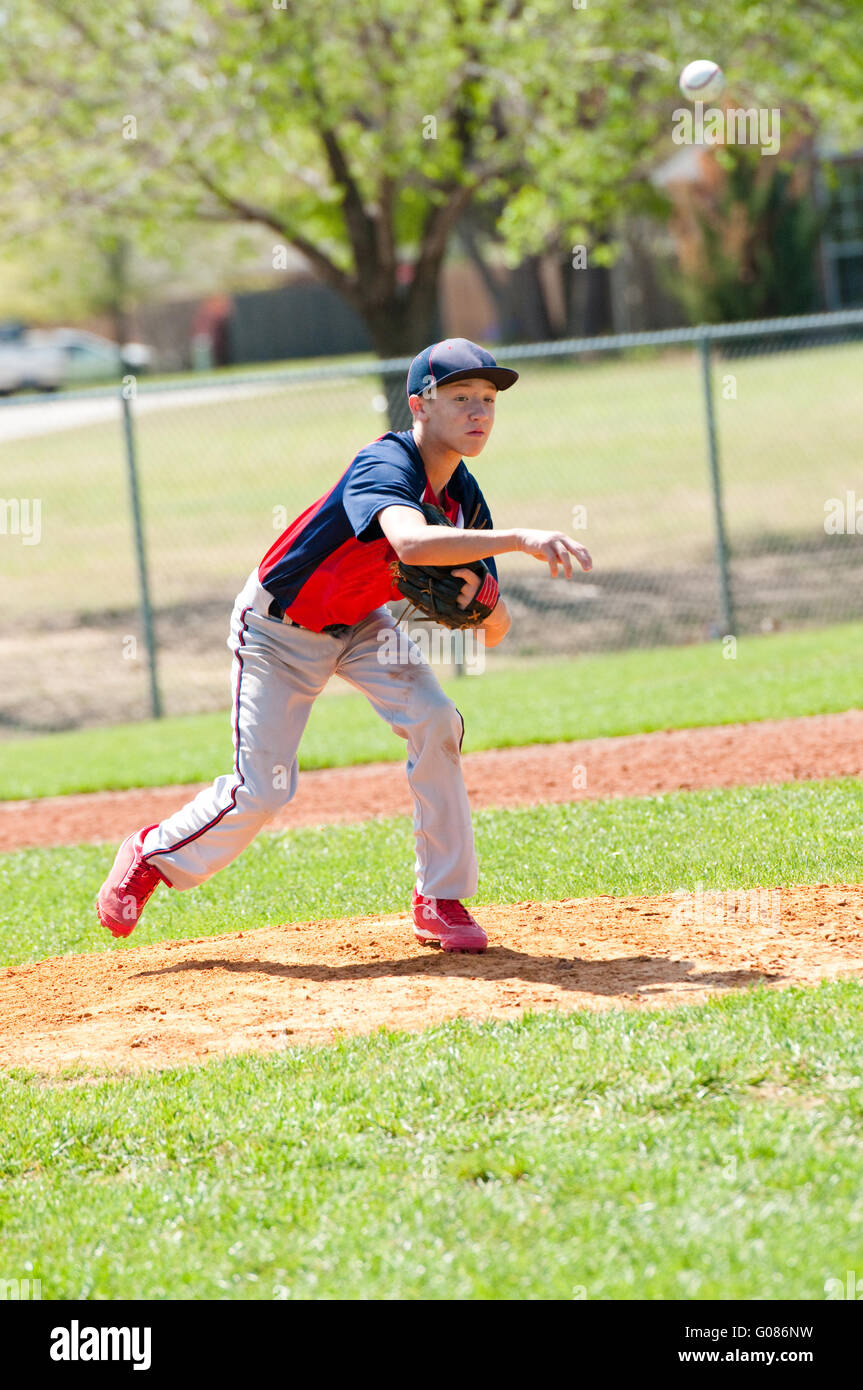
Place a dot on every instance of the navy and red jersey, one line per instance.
(331, 565)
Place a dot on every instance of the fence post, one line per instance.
(126, 391)
(458, 653)
(725, 598)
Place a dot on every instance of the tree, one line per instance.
(360, 131)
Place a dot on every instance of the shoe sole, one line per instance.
(451, 950)
(108, 923)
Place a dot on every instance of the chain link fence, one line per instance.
(716, 475)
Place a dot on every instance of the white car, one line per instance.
(26, 366)
(89, 357)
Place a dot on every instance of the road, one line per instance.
(54, 414)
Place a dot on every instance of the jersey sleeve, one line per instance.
(376, 481)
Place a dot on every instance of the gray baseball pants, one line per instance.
(278, 672)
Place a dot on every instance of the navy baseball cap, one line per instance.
(453, 360)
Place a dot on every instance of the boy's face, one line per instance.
(459, 415)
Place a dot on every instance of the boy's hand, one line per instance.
(457, 596)
(471, 586)
(498, 622)
(555, 547)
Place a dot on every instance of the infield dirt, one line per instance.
(179, 1002)
(731, 755)
(186, 1001)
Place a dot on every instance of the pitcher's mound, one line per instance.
(185, 1001)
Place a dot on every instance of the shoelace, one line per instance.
(455, 912)
(141, 881)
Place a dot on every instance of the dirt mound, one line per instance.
(186, 1001)
(824, 745)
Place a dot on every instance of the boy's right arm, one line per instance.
(417, 543)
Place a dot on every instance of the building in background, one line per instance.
(842, 237)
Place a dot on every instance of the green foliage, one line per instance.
(314, 121)
(757, 253)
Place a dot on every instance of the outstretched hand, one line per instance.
(556, 548)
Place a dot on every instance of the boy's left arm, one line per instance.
(497, 624)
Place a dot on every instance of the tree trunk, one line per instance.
(598, 313)
(401, 329)
(588, 300)
(587, 292)
(116, 252)
(497, 290)
(389, 337)
(398, 410)
(542, 325)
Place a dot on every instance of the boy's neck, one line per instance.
(440, 462)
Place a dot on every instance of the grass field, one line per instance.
(624, 438)
(712, 1152)
(771, 677)
(693, 1153)
(705, 1152)
(769, 836)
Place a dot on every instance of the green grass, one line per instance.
(221, 376)
(624, 438)
(768, 836)
(705, 1152)
(709, 1152)
(810, 672)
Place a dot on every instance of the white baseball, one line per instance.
(702, 80)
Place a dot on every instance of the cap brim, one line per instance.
(502, 377)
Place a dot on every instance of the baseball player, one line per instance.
(314, 608)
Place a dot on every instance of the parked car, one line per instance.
(89, 357)
(26, 366)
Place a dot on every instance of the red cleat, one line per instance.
(444, 922)
(128, 887)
